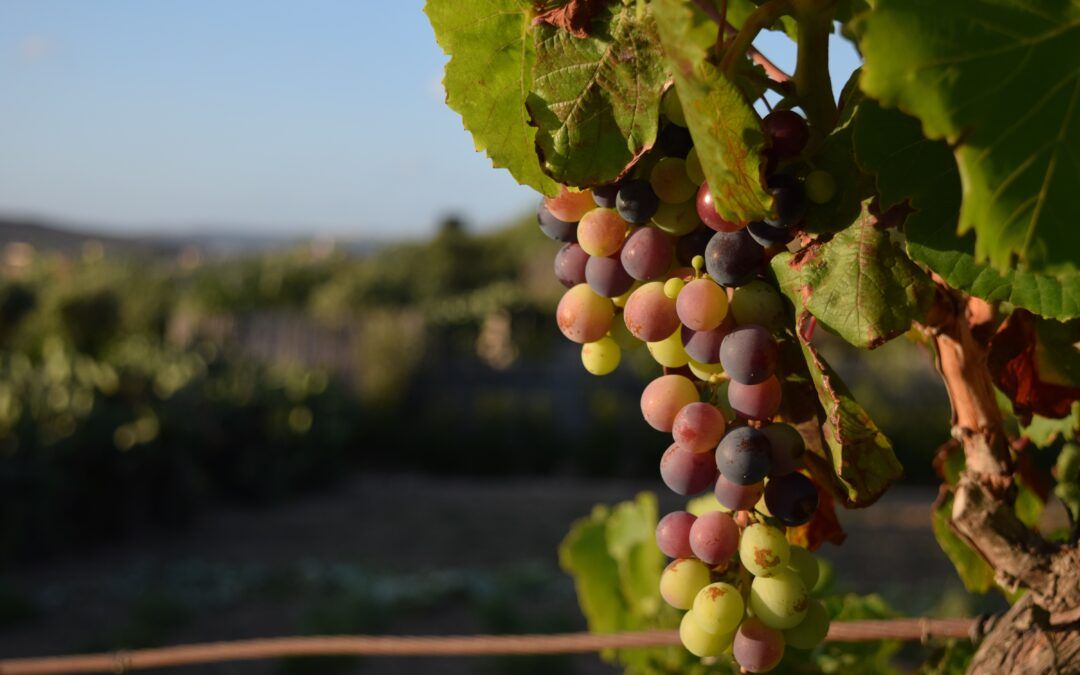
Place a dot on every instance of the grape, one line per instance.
(692, 244)
(693, 167)
(699, 427)
(601, 232)
(749, 354)
(763, 550)
(757, 648)
(636, 201)
(769, 236)
(737, 497)
(755, 401)
(605, 195)
(684, 472)
(706, 209)
(780, 601)
(569, 206)
(570, 264)
(606, 276)
(731, 258)
(702, 305)
(670, 182)
(789, 198)
(706, 372)
(704, 345)
(793, 498)
(672, 107)
(719, 608)
(672, 287)
(664, 397)
(786, 448)
(787, 132)
(714, 538)
(556, 229)
(650, 314)
(622, 336)
(601, 357)
(677, 220)
(803, 563)
(812, 630)
(669, 352)
(620, 300)
(699, 641)
(743, 456)
(673, 534)
(582, 315)
(647, 254)
(820, 186)
(674, 141)
(681, 580)
(758, 302)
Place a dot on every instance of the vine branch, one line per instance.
(720, 18)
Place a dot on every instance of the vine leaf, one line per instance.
(488, 78)
(1036, 363)
(573, 16)
(966, 70)
(910, 167)
(859, 284)
(976, 575)
(595, 100)
(726, 130)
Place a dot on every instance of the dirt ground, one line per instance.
(398, 554)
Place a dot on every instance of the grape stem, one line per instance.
(758, 20)
(813, 86)
(720, 17)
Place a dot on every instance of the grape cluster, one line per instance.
(652, 260)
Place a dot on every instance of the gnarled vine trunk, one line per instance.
(1041, 632)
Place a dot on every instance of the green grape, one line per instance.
(699, 641)
(780, 601)
(693, 167)
(719, 608)
(758, 303)
(707, 372)
(681, 581)
(622, 337)
(812, 630)
(677, 219)
(673, 286)
(761, 507)
(620, 300)
(670, 182)
(820, 186)
(805, 565)
(763, 550)
(704, 504)
(670, 352)
(673, 107)
(601, 357)
(1067, 467)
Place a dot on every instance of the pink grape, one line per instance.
(647, 254)
(714, 537)
(606, 276)
(702, 304)
(650, 314)
(755, 401)
(570, 264)
(706, 210)
(704, 345)
(757, 647)
(738, 497)
(569, 206)
(583, 316)
(664, 397)
(601, 232)
(699, 427)
(685, 472)
(673, 534)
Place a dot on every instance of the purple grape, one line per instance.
(636, 201)
(570, 264)
(787, 132)
(792, 498)
(704, 345)
(789, 197)
(755, 401)
(673, 534)
(646, 255)
(733, 258)
(767, 235)
(685, 472)
(692, 244)
(787, 448)
(606, 276)
(749, 354)
(604, 195)
(556, 229)
(674, 141)
(743, 456)
(737, 497)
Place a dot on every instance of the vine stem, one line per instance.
(758, 20)
(813, 85)
(771, 69)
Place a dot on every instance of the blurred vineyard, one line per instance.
(136, 389)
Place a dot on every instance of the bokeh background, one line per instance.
(277, 351)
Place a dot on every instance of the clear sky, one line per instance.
(287, 118)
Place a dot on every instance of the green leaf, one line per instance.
(631, 540)
(1000, 81)
(858, 285)
(908, 166)
(725, 128)
(1044, 431)
(595, 101)
(583, 555)
(862, 658)
(973, 570)
(488, 78)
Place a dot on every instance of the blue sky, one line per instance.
(322, 117)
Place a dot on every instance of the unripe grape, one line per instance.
(601, 232)
(601, 357)
(812, 630)
(670, 182)
(700, 642)
(758, 303)
(763, 550)
(719, 608)
(622, 336)
(582, 315)
(669, 352)
(672, 107)
(677, 220)
(570, 205)
(706, 372)
(693, 167)
(681, 581)
(664, 397)
(780, 601)
(820, 186)
(803, 563)
(672, 288)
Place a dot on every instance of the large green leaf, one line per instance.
(908, 166)
(488, 78)
(1000, 81)
(859, 284)
(595, 100)
(726, 130)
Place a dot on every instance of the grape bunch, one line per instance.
(651, 260)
